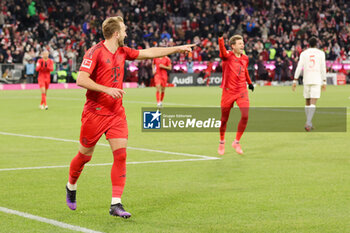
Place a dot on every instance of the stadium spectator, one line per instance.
(29, 71)
(145, 73)
(277, 25)
(278, 69)
(189, 64)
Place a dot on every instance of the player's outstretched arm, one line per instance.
(161, 52)
(223, 51)
(84, 80)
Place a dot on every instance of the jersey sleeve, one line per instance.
(223, 51)
(168, 61)
(323, 68)
(38, 65)
(90, 60)
(299, 66)
(50, 65)
(247, 77)
(131, 54)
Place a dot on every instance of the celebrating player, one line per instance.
(234, 88)
(207, 72)
(160, 66)
(44, 66)
(101, 73)
(313, 62)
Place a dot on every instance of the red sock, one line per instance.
(225, 113)
(162, 96)
(43, 98)
(118, 172)
(242, 123)
(76, 166)
(157, 96)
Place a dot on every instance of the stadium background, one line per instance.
(275, 33)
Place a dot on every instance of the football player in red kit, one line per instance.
(235, 77)
(101, 73)
(44, 67)
(208, 71)
(160, 67)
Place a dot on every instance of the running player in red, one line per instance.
(160, 67)
(101, 73)
(208, 71)
(44, 67)
(234, 88)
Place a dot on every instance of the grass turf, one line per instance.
(285, 182)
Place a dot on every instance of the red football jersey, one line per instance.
(106, 69)
(209, 68)
(160, 71)
(44, 68)
(234, 73)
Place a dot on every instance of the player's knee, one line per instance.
(223, 122)
(83, 157)
(119, 155)
(244, 117)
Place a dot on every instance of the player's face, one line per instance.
(238, 47)
(121, 35)
(45, 55)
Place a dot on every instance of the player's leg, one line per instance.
(162, 89)
(206, 79)
(227, 100)
(243, 104)
(92, 128)
(307, 96)
(158, 87)
(315, 94)
(47, 84)
(157, 83)
(43, 93)
(76, 167)
(117, 137)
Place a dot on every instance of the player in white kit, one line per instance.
(313, 63)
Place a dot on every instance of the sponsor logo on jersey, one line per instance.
(86, 63)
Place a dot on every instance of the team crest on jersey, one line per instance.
(86, 63)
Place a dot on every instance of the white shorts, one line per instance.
(312, 91)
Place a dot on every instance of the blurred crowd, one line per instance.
(273, 30)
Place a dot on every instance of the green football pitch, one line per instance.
(176, 182)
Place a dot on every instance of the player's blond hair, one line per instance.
(111, 25)
(234, 38)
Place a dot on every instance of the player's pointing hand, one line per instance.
(186, 48)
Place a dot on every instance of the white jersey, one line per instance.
(313, 62)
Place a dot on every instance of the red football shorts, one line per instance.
(93, 126)
(44, 83)
(228, 98)
(160, 80)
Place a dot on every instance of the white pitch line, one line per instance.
(108, 164)
(102, 144)
(199, 157)
(47, 220)
(124, 101)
